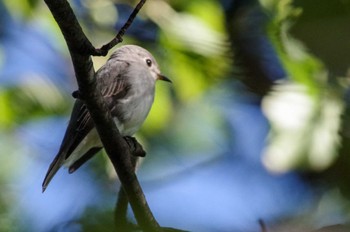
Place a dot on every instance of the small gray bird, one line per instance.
(127, 83)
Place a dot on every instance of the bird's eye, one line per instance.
(149, 62)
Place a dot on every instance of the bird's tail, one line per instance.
(54, 166)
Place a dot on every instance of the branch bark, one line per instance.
(121, 208)
(81, 49)
(119, 37)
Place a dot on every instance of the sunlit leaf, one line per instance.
(304, 128)
(6, 113)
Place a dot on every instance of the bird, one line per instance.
(127, 84)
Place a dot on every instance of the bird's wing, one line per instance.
(114, 86)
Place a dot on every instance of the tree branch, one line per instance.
(80, 49)
(119, 37)
(121, 208)
(262, 225)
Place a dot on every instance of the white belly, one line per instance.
(137, 111)
(91, 140)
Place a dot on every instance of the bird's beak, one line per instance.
(164, 78)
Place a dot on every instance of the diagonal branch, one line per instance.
(76, 40)
(80, 49)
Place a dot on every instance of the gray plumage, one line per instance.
(127, 83)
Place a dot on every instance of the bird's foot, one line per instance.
(76, 94)
(135, 148)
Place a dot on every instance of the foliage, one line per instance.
(204, 136)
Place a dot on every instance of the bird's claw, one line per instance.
(135, 147)
(76, 94)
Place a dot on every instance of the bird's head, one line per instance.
(141, 58)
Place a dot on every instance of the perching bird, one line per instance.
(127, 82)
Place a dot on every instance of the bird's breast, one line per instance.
(135, 110)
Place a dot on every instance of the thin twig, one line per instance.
(262, 225)
(119, 37)
(120, 213)
(121, 207)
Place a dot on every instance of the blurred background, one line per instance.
(254, 127)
